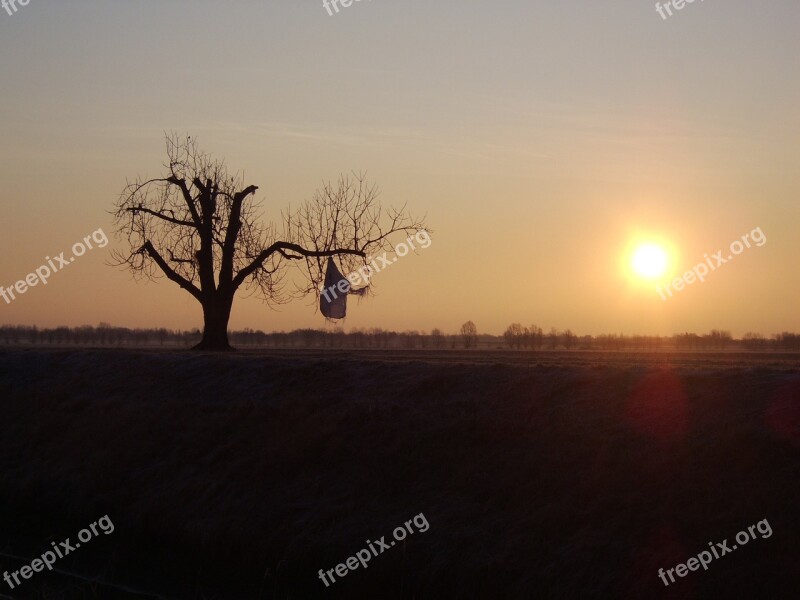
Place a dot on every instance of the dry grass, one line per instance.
(240, 476)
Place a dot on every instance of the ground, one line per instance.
(547, 475)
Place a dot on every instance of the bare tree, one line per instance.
(513, 335)
(198, 226)
(469, 333)
(569, 339)
(537, 336)
(437, 338)
(553, 337)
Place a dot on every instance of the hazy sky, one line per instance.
(540, 138)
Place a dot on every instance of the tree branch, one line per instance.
(187, 196)
(169, 272)
(281, 247)
(232, 234)
(160, 216)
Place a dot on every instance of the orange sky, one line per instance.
(539, 140)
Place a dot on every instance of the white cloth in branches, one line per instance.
(332, 302)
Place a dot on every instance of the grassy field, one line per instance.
(548, 475)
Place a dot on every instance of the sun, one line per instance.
(649, 261)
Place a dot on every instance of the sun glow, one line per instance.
(649, 261)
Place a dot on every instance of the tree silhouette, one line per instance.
(535, 336)
(569, 339)
(437, 338)
(197, 225)
(553, 337)
(513, 335)
(470, 334)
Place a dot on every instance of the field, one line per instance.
(547, 475)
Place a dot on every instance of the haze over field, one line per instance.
(541, 141)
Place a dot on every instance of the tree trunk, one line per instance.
(216, 313)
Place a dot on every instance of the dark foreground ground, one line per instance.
(540, 476)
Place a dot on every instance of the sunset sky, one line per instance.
(540, 139)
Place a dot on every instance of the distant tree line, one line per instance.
(102, 335)
(515, 337)
(533, 338)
